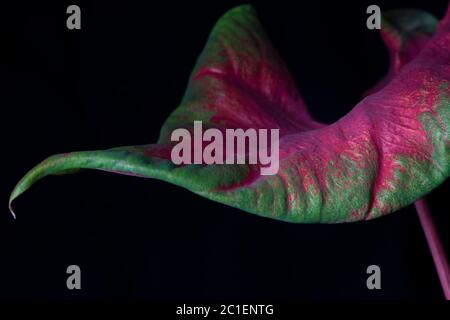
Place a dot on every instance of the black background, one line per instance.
(113, 83)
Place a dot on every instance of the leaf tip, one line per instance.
(11, 199)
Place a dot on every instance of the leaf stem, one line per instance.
(435, 245)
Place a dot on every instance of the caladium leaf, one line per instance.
(389, 151)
